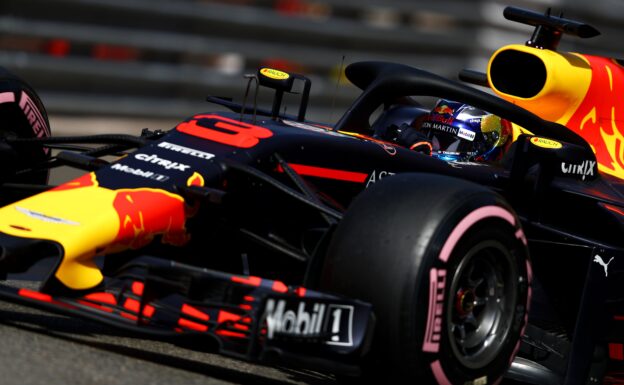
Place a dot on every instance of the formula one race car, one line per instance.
(337, 247)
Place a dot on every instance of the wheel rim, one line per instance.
(483, 297)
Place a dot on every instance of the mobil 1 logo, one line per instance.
(309, 320)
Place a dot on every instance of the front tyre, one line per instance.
(445, 265)
(22, 115)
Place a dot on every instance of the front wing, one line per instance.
(245, 317)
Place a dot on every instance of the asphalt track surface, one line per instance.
(38, 348)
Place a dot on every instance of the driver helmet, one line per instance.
(463, 133)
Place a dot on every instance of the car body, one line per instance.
(229, 228)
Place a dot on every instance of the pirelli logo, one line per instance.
(36, 120)
(433, 331)
(186, 150)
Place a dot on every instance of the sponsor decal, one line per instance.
(7, 97)
(605, 265)
(437, 282)
(597, 119)
(274, 74)
(546, 143)
(586, 168)
(143, 213)
(224, 130)
(443, 127)
(466, 134)
(377, 176)
(166, 164)
(45, 218)
(444, 110)
(34, 117)
(186, 150)
(139, 172)
(333, 323)
(440, 119)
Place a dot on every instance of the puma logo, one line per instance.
(598, 259)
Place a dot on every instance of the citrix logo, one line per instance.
(167, 164)
(586, 168)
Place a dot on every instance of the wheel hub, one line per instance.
(465, 302)
(483, 303)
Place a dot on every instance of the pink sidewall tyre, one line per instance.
(22, 115)
(445, 264)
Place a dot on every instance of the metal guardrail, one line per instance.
(177, 52)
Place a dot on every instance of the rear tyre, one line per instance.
(22, 115)
(444, 264)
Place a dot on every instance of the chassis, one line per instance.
(279, 240)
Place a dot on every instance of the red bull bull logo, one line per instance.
(600, 116)
(444, 110)
(88, 220)
(144, 213)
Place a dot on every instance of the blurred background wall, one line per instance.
(121, 65)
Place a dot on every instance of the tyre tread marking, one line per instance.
(438, 373)
(432, 345)
(437, 283)
(34, 117)
(7, 97)
(468, 221)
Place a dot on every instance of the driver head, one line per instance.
(460, 132)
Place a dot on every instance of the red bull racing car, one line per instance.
(338, 247)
